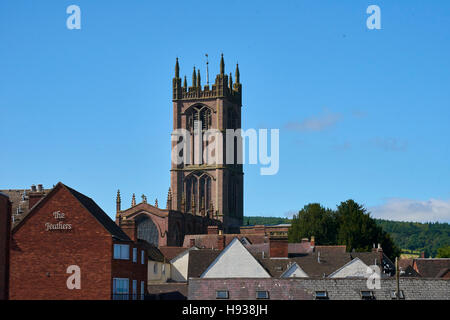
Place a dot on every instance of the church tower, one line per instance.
(198, 186)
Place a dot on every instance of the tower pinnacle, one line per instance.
(222, 65)
(177, 69)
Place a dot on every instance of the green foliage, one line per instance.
(251, 221)
(444, 252)
(314, 220)
(352, 225)
(418, 237)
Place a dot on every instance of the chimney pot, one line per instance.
(192, 242)
(33, 188)
(40, 188)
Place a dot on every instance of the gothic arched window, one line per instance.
(197, 188)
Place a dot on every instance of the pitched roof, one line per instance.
(19, 202)
(88, 204)
(153, 252)
(431, 268)
(409, 272)
(100, 215)
(171, 252)
(200, 260)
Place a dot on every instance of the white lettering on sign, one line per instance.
(60, 225)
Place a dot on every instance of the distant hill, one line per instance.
(412, 237)
(251, 221)
(418, 237)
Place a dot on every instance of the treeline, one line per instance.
(421, 237)
(352, 225)
(251, 221)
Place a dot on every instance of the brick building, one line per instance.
(66, 235)
(5, 225)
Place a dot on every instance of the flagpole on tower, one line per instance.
(207, 74)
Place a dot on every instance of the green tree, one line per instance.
(444, 252)
(314, 220)
(357, 230)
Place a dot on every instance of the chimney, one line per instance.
(213, 230)
(220, 241)
(129, 227)
(422, 254)
(191, 242)
(35, 195)
(278, 244)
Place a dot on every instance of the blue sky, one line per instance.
(363, 114)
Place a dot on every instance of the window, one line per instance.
(367, 295)
(122, 251)
(155, 268)
(120, 288)
(134, 254)
(142, 290)
(163, 269)
(321, 295)
(262, 294)
(134, 289)
(221, 294)
(394, 295)
(142, 257)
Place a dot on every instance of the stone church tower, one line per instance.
(199, 187)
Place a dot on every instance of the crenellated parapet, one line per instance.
(222, 87)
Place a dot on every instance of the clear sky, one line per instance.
(363, 114)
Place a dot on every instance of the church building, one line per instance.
(201, 193)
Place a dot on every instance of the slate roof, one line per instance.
(200, 260)
(171, 252)
(153, 252)
(431, 268)
(209, 241)
(89, 205)
(409, 272)
(19, 200)
(100, 215)
(168, 291)
(329, 262)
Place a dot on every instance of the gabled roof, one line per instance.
(153, 253)
(88, 204)
(170, 253)
(199, 260)
(295, 269)
(360, 272)
(431, 268)
(235, 261)
(409, 272)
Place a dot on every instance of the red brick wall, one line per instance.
(5, 224)
(131, 270)
(278, 248)
(39, 258)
